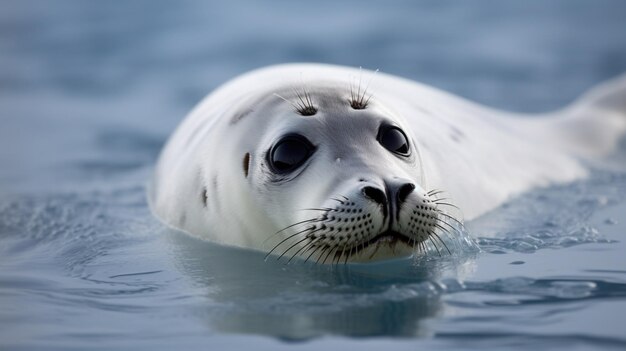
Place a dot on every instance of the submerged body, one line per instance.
(331, 163)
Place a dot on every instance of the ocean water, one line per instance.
(90, 90)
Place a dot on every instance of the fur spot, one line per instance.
(423, 110)
(205, 197)
(456, 134)
(216, 195)
(246, 164)
(215, 185)
(241, 115)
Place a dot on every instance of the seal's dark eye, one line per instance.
(394, 140)
(289, 153)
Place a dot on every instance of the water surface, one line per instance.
(89, 92)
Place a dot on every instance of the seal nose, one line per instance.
(403, 191)
(375, 194)
(397, 190)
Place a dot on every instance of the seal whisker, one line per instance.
(437, 202)
(318, 209)
(312, 252)
(361, 99)
(434, 244)
(416, 236)
(291, 236)
(415, 246)
(337, 254)
(442, 242)
(330, 250)
(360, 79)
(354, 98)
(296, 107)
(293, 225)
(348, 255)
(304, 248)
(442, 228)
(434, 191)
(364, 103)
(302, 104)
(422, 245)
(311, 220)
(311, 244)
(351, 91)
(324, 248)
(441, 199)
(333, 249)
(444, 231)
(307, 97)
(343, 253)
(305, 102)
(340, 201)
(410, 243)
(362, 246)
(446, 204)
(450, 217)
(291, 247)
(375, 250)
(456, 231)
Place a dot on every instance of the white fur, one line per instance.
(479, 156)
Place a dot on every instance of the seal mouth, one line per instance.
(390, 237)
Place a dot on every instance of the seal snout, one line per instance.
(366, 221)
(398, 190)
(375, 194)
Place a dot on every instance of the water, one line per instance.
(89, 91)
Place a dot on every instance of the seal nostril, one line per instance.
(375, 194)
(404, 191)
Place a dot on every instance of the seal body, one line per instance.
(337, 164)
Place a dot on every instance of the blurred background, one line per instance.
(90, 91)
(80, 76)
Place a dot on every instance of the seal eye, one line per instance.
(289, 153)
(394, 140)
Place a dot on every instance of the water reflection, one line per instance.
(246, 294)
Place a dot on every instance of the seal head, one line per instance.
(315, 174)
(342, 180)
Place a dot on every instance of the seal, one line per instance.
(334, 164)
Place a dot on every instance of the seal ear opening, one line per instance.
(246, 164)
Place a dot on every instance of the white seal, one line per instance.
(333, 164)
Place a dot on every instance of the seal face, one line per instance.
(339, 179)
(326, 171)
(367, 204)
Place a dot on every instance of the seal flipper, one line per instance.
(610, 95)
(593, 126)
